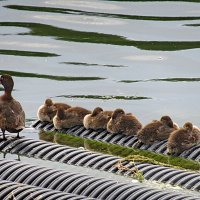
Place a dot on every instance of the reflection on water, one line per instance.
(26, 53)
(44, 76)
(106, 97)
(80, 36)
(80, 12)
(89, 64)
(164, 79)
(92, 49)
(192, 25)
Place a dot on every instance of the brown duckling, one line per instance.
(196, 133)
(98, 119)
(71, 117)
(123, 123)
(181, 140)
(12, 116)
(157, 130)
(47, 111)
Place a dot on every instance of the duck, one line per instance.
(157, 130)
(12, 115)
(120, 122)
(98, 119)
(48, 110)
(69, 118)
(196, 133)
(182, 139)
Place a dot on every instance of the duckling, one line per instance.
(71, 117)
(157, 130)
(47, 111)
(181, 140)
(196, 133)
(12, 115)
(123, 123)
(97, 120)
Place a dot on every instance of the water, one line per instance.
(146, 53)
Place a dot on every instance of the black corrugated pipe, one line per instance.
(15, 191)
(78, 157)
(81, 184)
(120, 139)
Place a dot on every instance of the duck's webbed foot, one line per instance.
(17, 137)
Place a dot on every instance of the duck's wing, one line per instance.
(14, 114)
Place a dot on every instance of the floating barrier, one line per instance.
(11, 190)
(80, 184)
(120, 139)
(78, 157)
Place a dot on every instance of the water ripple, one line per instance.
(51, 77)
(87, 13)
(100, 38)
(26, 53)
(105, 97)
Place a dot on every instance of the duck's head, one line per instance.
(7, 82)
(96, 111)
(167, 121)
(188, 126)
(48, 102)
(118, 113)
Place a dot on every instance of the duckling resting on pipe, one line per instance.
(157, 130)
(98, 119)
(183, 139)
(120, 122)
(69, 118)
(48, 110)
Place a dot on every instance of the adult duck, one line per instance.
(71, 117)
(120, 122)
(12, 116)
(47, 111)
(157, 130)
(98, 119)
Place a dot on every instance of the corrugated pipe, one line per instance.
(74, 156)
(15, 191)
(120, 139)
(81, 184)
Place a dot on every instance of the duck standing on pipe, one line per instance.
(12, 116)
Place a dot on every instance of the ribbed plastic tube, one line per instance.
(78, 157)
(120, 139)
(15, 191)
(81, 184)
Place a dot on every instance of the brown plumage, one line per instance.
(12, 116)
(196, 134)
(98, 119)
(47, 111)
(181, 140)
(157, 130)
(71, 117)
(123, 123)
